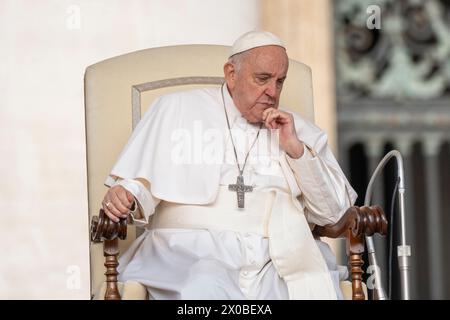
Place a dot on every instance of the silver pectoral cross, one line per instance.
(240, 189)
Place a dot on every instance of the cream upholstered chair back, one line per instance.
(119, 90)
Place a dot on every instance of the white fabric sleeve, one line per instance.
(146, 202)
(323, 190)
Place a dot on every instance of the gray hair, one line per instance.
(237, 59)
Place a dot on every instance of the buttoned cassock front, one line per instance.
(278, 262)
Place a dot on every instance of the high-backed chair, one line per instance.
(119, 90)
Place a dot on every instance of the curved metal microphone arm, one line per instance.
(403, 250)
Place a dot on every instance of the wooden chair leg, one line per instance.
(103, 229)
(111, 251)
(355, 250)
(356, 262)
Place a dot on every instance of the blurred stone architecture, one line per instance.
(393, 92)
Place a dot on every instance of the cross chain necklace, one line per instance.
(240, 188)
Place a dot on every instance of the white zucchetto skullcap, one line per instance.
(254, 39)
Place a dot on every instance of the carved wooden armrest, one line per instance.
(103, 229)
(355, 225)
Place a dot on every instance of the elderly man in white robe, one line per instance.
(235, 224)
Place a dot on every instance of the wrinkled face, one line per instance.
(256, 83)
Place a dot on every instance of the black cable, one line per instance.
(391, 240)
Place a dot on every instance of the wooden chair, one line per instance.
(117, 93)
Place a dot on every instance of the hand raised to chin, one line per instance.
(284, 122)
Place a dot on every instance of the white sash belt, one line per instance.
(223, 214)
(274, 214)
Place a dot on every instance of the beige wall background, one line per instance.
(45, 48)
(306, 27)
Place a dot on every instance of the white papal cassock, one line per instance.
(197, 243)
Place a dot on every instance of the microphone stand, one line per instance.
(403, 250)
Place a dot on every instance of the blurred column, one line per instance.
(432, 145)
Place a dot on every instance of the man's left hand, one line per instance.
(284, 121)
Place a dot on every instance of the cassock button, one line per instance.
(245, 273)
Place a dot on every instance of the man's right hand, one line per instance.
(117, 203)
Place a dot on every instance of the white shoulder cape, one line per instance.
(149, 153)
